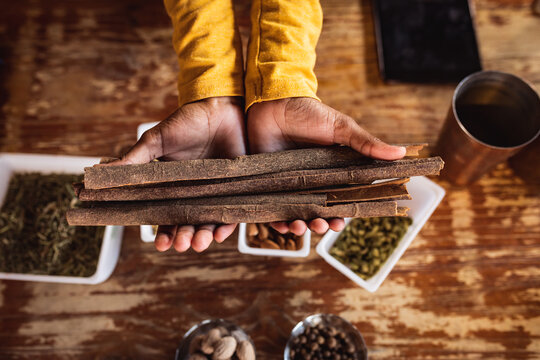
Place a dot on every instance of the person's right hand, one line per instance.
(305, 122)
(208, 128)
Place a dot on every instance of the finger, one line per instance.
(281, 227)
(319, 226)
(204, 235)
(348, 132)
(164, 237)
(336, 224)
(183, 237)
(224, 231)
(298, 227)
(148, 148)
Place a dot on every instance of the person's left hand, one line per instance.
(302, 122)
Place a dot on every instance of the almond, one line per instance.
(224, 348)
(195, 344)
(268, 244)
(197, 357)
(263, 231)
(209, 341)
(245, 351)
(251, 230)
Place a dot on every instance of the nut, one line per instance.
(267, 244)
(195, 344)
(223, 331)
(238, 335)
(252, 230)
(245, 351)
(290, 245)
(281, 241)
(224, 348)
(209, 341)
(197, 357)
(263, 231)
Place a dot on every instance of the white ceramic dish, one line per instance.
(426, 196)
(112, 239)
(147, 233)
(244, 248)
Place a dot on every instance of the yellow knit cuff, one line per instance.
(199, 89)
(275, 89)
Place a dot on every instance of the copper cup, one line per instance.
(493, 115)
(526, 163)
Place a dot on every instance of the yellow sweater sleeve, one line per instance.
(281, 50)
(209, 49)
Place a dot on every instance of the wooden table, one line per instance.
(80, 77)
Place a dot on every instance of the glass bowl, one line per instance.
(182, 353)
(335, 321)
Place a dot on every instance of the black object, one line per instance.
(425, 40)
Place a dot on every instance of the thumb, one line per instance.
(348, 132)
(148, 148)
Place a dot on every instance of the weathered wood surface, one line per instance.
(82, 75)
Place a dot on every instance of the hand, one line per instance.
(303, 122)
(208, 128)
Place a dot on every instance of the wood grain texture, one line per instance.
(82, 75)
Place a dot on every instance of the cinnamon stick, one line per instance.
(170, 212)
(100, 177)
(287, 181)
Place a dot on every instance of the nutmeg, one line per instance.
(224, 348)
(209, 341)
(197, 356)
(195, 344)
(245, 351)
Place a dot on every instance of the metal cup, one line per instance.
(493, 115)
(526, 163)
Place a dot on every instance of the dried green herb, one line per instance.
(366, 243)
(34, 235)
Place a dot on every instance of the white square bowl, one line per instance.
(426, 196)
(46, 164)
(147, 233)
(244, 248)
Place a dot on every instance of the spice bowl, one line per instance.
(244, 247)
(426, 196)
(46, 164)
(148, 233)
(186, 347)
(327, 328)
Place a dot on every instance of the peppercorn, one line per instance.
(324, 343)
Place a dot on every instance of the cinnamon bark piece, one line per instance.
(100, 177)
(341, 188)
(413, 149)
(169, 212)
(386, 192)
(287, 181)
(402, 211)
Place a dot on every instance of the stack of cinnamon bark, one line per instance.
(282, 186)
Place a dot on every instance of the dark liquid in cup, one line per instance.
(495, 125)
